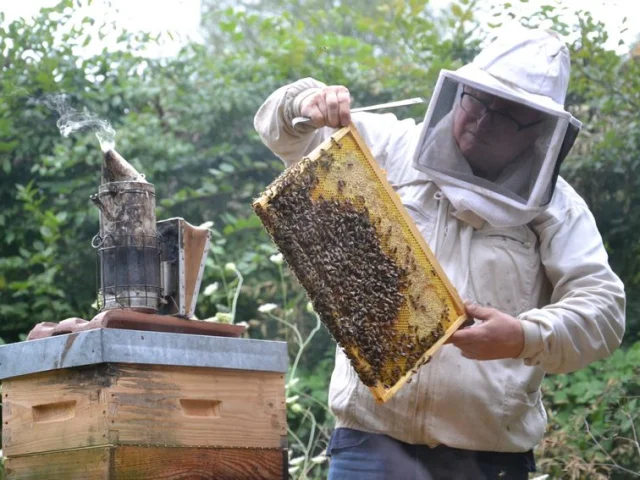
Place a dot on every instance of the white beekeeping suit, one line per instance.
(520, 240)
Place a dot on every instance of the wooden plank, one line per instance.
(186, 406)
(80, 464)
(154, 463)
(55, 410)
(138, 463)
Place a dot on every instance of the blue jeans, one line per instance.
(357, 455)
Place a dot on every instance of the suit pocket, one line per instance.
(504, 265)
(523, 415)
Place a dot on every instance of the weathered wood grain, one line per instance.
(117, 404)
(153, 463)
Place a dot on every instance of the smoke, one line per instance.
(72, 120)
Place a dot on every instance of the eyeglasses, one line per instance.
(477, 108)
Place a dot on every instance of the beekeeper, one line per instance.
(480, 178)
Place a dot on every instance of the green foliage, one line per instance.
(46, 266)
(308, 400)
(378, 50)
(594, 419)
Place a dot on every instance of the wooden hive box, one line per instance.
(122, 404)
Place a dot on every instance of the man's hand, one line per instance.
(498, 336)
(329, 107)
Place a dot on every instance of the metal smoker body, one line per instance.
(144, 265)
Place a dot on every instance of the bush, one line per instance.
(594, 420)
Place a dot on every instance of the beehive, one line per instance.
(121, 404)
(367, 270)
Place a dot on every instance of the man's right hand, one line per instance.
(329, 107)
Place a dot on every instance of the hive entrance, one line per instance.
(367, 270)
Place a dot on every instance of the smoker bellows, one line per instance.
(367, 270)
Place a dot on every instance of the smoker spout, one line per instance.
(117, 169)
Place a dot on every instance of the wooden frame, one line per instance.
(381, 393)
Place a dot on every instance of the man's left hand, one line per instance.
(498, 336)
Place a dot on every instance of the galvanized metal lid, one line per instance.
(132, 346)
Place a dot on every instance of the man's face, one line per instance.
(491, 131)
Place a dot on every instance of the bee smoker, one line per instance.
(144, 265)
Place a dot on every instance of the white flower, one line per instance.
(296, 461)
(207, 225)
(230, 267)
(293, 399)
(293, 470)
(277, 258)
(267, 307)
(309, 307)
(319, 458)
(211, 289)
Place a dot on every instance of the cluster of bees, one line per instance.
(336, 252)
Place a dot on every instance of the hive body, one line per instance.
(367, 270)
(118, 404)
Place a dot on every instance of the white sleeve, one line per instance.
(273, 122)
(585, 320)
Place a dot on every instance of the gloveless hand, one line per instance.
(329, 107)
(498, 336)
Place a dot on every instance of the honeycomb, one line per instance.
(367, 270)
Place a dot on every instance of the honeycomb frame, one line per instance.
(340, 199)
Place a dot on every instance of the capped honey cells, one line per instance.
(365, 267)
